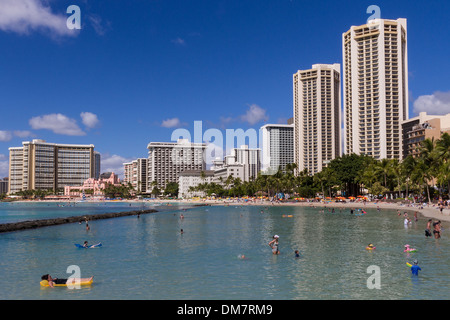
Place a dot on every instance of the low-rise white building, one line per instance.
(189, 179)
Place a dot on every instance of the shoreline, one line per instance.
(427, 211)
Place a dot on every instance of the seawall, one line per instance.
(33, 224)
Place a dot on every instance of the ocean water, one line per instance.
(149, 258)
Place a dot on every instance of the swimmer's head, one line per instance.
(415, 262)
(276, 236)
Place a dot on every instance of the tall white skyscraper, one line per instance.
(317, 109)
(42, 165)
(375, 78)
(277, 146)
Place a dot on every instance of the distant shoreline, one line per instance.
(427, 211)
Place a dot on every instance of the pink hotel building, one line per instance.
(97, 186)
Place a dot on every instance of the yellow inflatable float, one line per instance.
(83, 282)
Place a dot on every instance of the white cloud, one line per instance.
(114, 163)
(171, 123)
(179, 41)
(25, 16)
(437, 103)
(254, 115)
(5, 135)
(89, 119)
(58, 123)
(99, 26)
(23, 133)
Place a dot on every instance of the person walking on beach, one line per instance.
(274, 245)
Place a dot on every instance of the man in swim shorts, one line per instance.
(428, 229)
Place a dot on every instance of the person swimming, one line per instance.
(297, 254)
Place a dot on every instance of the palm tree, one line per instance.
(384, 167)
(443, 147)
(428, 162)
(320, 179)
(368, 176)
(406, 169)
(443, 154)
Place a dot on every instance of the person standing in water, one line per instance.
(415, 268)
(274, 245)
(428, 229)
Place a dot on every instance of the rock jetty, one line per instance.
(33, 224)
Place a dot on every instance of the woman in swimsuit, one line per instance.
(274, 245)
(437, 229)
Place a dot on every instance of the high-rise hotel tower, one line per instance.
(375, 78)
(42, 165)
(317, 106)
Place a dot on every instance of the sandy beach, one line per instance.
(427, 211)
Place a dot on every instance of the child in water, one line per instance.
(415, 268)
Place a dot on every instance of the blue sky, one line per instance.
(137, 70)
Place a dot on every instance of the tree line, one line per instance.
(424, 175)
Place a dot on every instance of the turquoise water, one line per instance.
(22, 211)
(148, 257)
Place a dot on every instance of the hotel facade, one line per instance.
(375, 80)
(277, 147)
(422, 127)
(167, 159)
(317, 109)
(135, 173)
(42, 165)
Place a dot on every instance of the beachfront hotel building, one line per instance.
(4, 185)
(317, 109)
(92, 188)
(422, 127)
(135, 173)
(277, 147)
(247, 158)
(42, 165)
(375, 80)
(167, 159)
(189, 179)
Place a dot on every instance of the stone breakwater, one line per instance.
(33, 224)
